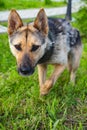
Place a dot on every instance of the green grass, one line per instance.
(22, 108)
(22, 4)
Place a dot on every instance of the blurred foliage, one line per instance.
(81, 20)
(26, 4)
(84, 1)
(2, 3)
(47, 2)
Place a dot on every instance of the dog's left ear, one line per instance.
(41, 22)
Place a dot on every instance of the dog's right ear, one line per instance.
(14, 22)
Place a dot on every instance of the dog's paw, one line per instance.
(46, 87)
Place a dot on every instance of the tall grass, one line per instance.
(21, 106)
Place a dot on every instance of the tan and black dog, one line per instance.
(42, 42)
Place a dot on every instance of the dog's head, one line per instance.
(27, 42)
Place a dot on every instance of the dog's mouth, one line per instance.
(26, 71)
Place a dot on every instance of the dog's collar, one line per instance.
(47, 55)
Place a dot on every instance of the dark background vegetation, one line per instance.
(81, 19)
(23, 4)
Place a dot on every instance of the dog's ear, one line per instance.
(41, 22)
(14, 22)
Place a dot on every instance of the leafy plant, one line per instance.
(81, 21)
(2, 4)
(47, 2)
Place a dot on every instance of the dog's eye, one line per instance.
(18, 47)
(35, 47)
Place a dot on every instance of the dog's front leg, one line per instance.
(42, 68)
(44, 89)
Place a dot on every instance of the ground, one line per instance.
(21, 106)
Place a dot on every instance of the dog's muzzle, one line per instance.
(25, 71)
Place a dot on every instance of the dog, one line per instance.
(45, 41)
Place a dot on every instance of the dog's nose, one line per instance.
(25, 70)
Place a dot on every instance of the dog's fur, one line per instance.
(42, 42)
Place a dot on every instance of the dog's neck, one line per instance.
(48, 52)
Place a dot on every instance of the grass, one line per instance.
(21, 106)
(22, 4)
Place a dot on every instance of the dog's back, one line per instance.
(62, 39)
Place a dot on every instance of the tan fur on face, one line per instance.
(27, 36)
(26, 45)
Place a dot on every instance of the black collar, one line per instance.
(47, 55)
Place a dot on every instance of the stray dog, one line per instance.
(42, 42)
